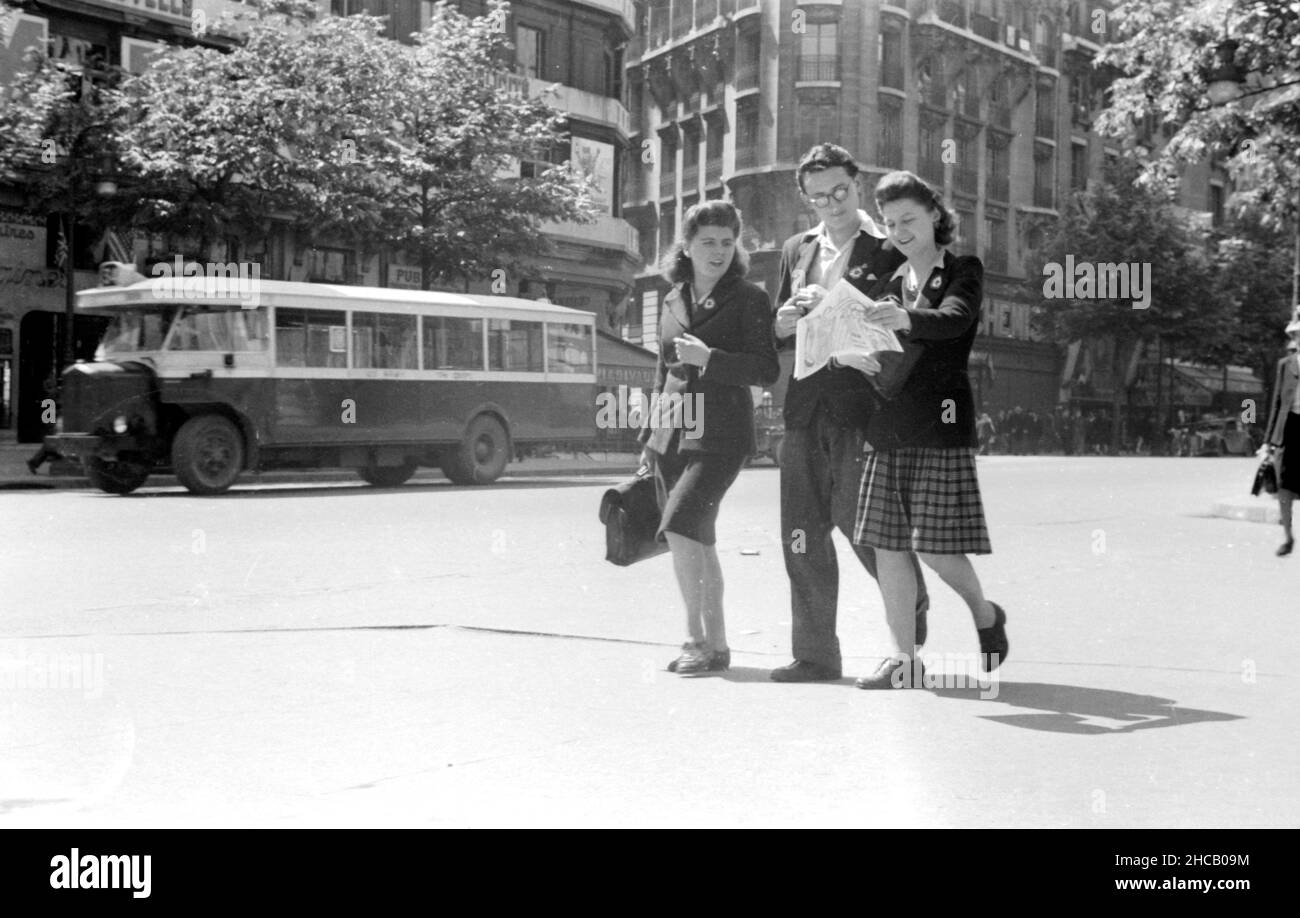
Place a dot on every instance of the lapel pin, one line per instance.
(709, 304)
(936, 283)
(855, 272)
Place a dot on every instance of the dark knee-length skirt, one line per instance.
(691, 487)
(1288, 462)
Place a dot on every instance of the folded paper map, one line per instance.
(845, 322)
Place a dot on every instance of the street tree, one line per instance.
(1169, 52)
(472, 157)
(1119, 222)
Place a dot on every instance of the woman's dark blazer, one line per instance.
(937, 406)
(1288, 377)
(737, 327)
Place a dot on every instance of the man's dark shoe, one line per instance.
(1285, 548)
(803, 671)
(922, 628)
(993, 641)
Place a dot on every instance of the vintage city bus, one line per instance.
(207, 381)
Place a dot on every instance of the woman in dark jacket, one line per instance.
(919, 489)
(1282, 436)
(715, 341)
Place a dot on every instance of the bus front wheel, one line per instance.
(208, 454)
(121, 477)
(387, 476)
(481, 456)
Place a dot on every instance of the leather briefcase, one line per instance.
(631, 516)
(1265, 477)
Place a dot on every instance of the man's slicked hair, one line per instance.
(827, 156)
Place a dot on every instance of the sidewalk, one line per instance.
(14, 474)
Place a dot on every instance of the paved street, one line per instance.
(435, 655)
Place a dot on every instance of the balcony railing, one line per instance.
(583, 104)
(607, 233)
(819, 68)
(998, 187)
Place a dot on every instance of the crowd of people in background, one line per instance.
(1071, 432)
(1080, 432)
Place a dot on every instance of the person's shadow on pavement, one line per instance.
(1073, 709)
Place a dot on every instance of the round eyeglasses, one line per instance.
(837, 194)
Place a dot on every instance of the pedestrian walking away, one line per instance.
(1282, 435)
(715, 341)
(919, 491)
(826, 414)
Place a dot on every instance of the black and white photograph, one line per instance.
(401, 427)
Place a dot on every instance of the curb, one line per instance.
(45, 483)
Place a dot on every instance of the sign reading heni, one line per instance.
(162, 9)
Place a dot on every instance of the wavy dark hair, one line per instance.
(677, 266)
(908, 186)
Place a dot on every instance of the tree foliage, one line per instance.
(1121, 221)
(1167, 50)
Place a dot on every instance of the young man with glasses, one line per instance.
(826, 413)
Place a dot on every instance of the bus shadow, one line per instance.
(272, 490)
(1086, 711)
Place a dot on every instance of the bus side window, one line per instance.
(291, 337)
(515, 345)
(453, 343)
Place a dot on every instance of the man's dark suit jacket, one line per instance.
(843, 392)
(1288, 377)
(736, 323)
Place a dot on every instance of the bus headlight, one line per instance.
(119, 424)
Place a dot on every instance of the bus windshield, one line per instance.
(137, 329)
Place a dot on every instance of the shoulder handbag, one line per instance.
(631, 515)
(1265, 477)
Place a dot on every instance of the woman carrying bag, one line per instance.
(1282, 437)
(715, 341)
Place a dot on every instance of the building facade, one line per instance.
(991, 100)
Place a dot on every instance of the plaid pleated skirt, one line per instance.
(923, 499)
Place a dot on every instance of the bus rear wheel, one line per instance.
(120, 477)
(481, 456)
(387, 476)
(208, 454)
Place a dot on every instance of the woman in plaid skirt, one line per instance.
(919, 490)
